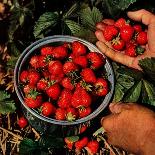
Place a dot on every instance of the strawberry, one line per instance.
(57, 78)
(65, 99)
(33, 77)
(126, 32)
(131, 51)
(83, 112)
(24, 76)
(118, 44)
(96, 60)
(120, 23)
(101, 87)
(42, 84)
(47, 109)
(55, 67)
(137, 28)
(109, 32)
(34, 61)
(53, 91)
(72, 114)
(80, 144)
(142, 38)
(69, 143)
(67, 83)
(93, 146)
(22, 122)
(59, 52)
(78, 48)
(81, 61)
(44, 60)
(69, 67)
(130, 43)
(82, 129)
(81, 98)
(46, 74)
(60, 114)
(28, 88)
(88, 75)
(47, 50)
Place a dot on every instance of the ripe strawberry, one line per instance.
(101, 87)
(47, 50)
(47, 109)
(109, 32)
(88, 75)
(28, 88)
(44, 60)
(42, 84)
(81, 61)
(96, 60)
(69, 67)
(78, 48)
(60, 52)
(33, 77)
(126, 32)
(53, 91)
(71, 57)
(130, 43)
(22, 122)
(83, 128)
(57, 78)
(93, 146)
(137, 28)
(142, 38)
(131, 51)
(24, 76)
(72, 114)
(60, 114)
(83, 112)
(46, 74)
(118, 44)
(67, 83)
(81, 98)
(80, 144)
(69, 143)
(34, 61)
(55, 67)
(65, 99)
(120, 23)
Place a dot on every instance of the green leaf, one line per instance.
(73, 138)
(119, 93)
(6, 104)
(89, 17)
(133, 93)
(45, 21)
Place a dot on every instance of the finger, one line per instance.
(108, 21)
(100, 26)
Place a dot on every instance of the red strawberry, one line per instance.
(88, 75)
(137, 28)
(34, 61)
(60, 52)
(80, 144)
(142, 38)
(24, 76)
(47, 50)
(131, 51)
(60, 114)
(78, 48)
(109, 32)
(42, 84)
(96, 60)
(69, 67)
(93, 146)
(33, 77)
(130, 43)
(65, 99)
(54, 91)
(67, 83)
(66, 45)
(69, 143)
(83, 128)
(83, 112)
(126, 33)
(118, 44)
(81, 98)
(46, 74)
(55, 67)
(28, 88)
(72, 114)
(47, 109)
(120, 23)
(101, 87)
(71, 57)
(22, 122)
(57, 78)
(81, 61)
(44, 60)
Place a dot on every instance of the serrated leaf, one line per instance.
(89, 17)
(118, 93)
(133, 93)
(45, 21)
(73, 138)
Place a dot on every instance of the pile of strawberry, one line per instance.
(62, 82)
(123, 36)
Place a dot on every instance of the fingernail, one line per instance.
(102, 120)
(112, 104)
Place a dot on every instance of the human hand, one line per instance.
(147, 19)
(131, 127)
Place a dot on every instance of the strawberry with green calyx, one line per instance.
(33, 77)
(42, 84)
(120, 23)
(118, 44)
(24, 76)
(70, 141)
(72, 114)
(47, 50)
(57, 78)
(60, 52)
(22, 122)
(44, 60)
(137, 28)
(81, 61)
(86, 86)
(68, 83)
(69, 67)
(34, 61)
(82, 128)
(60, 114)
(141, 38)
(84, 111)
(92, 146)
(80, 144)
(28, 88)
